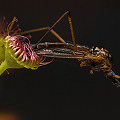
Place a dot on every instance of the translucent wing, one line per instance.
(60, 53)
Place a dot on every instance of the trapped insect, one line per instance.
(99, 59)
(18, 52)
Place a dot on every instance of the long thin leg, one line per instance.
(71, 28)
(117, 76)
(41, 29)
(72, 31)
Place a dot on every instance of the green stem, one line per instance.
(3, 67)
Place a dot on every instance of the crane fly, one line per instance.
(99, 59)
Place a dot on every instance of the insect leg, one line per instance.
(72, 31)
(71, 28)
(41, 29)
(117, 76)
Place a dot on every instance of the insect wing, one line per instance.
(60, 53)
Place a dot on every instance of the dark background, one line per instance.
(59, 90)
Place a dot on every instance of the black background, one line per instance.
(58, 90)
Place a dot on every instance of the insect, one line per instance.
(18, 53)
(99, 59)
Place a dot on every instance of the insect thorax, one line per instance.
(98, 59)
